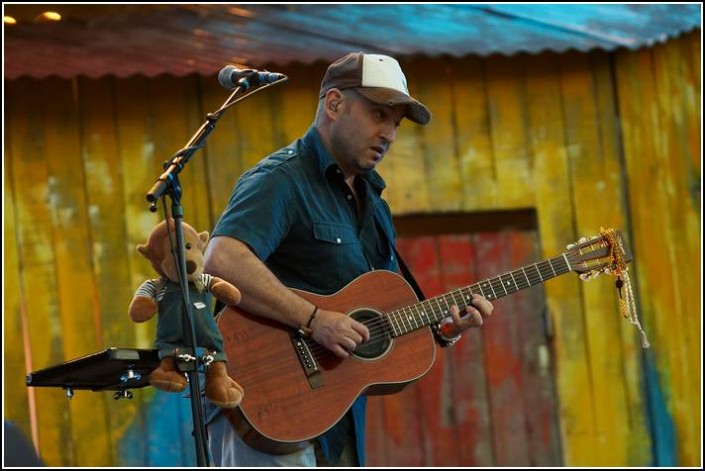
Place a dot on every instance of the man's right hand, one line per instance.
(337, 332)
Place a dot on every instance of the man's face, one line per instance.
(363, 133)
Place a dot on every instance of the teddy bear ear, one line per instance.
(143, 249)
(204, 236)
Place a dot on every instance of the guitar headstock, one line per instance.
(606, 253)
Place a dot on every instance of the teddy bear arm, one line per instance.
(142, 308)
(224, 291)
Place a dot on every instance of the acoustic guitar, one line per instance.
(296, 389)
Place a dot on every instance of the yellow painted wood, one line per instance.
(38, 269)
(104, 191)
(140, 167)
(223, 148)
(16, 405)
(433, 79)
(663, 221)
(597, 197)
(258, 132)
(513, 165)
(638, 442)
(80, 321)
(546, 134)
(690, 47)
(472, 135)
(404, 167)
(674, 97)
(297, 100)
(176, 118)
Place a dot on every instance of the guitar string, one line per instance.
(382, 326)
(383, 322)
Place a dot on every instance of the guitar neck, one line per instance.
(410, 318)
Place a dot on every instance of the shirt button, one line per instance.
(349, 197)
(291, 151)
(337, 240)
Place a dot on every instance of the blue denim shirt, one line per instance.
(297, 214)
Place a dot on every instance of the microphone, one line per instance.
(230, 77)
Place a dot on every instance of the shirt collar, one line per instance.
(312, 140)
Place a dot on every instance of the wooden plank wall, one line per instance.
(490, 399)
(588, 140)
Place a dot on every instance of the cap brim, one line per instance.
(415, 111)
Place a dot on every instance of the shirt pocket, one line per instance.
(337, 258)
(338, 234)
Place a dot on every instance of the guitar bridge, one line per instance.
(308, 362)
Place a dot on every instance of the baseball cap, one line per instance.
(377, 77)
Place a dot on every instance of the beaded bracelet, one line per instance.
(305, 331)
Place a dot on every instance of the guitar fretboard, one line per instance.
(410, 318)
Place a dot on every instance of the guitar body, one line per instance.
(284, 402)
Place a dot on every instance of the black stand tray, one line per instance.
(113, 369)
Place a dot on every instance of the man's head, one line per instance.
(378, 78)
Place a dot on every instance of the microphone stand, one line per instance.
(168, 183)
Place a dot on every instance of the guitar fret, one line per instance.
(493, 293)
(400, 320)
(420, 314)
(467, 298)
(551, 265)
(545, 266)
(538, 271)
(406, 319)
(526, 276)
(516, 286)
(396, 330)
(445, 300)
(565, 267)
(459, 304)
(566, 261)
(501, 285)
(440, 309)
(413, 317)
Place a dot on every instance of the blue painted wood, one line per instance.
(163, 436)
(663, 430)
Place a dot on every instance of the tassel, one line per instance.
(618, 268)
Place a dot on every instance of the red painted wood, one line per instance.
(489, 400)
(469, 391)
(538, 392)
(503, 359)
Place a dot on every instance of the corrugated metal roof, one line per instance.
(150, 39)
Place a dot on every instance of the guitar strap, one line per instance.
(402, 265)
(408, 276)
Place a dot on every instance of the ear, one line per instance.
(332, 100)
(144, 250)
(204, 236)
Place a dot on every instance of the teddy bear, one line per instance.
(163, 296)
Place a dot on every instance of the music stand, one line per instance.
(112, 369)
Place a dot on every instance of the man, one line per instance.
(311, 217)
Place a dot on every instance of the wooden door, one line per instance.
(490, 399)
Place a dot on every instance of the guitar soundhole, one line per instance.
(380, 338)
